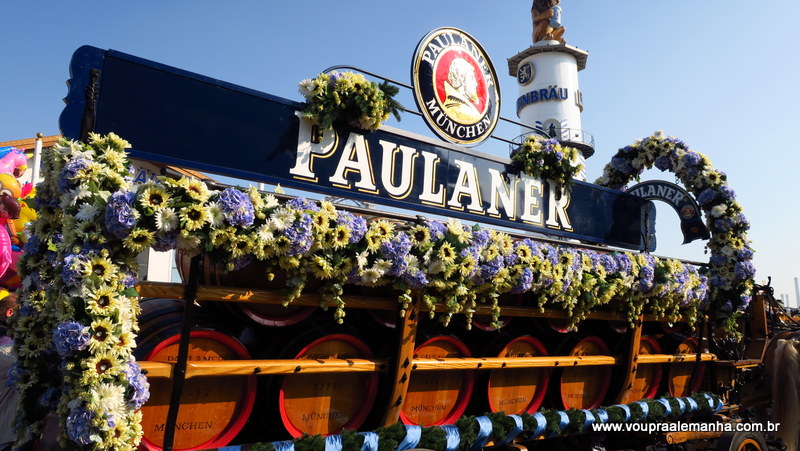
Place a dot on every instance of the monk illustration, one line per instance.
(461, 91)
(547, 21)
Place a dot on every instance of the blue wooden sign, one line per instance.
(180, 118)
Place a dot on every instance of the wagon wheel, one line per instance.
(741, 441)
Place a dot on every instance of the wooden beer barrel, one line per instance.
(648, 376)
(213, 410)
(251, 276)
(438, 397)
(585, 387)
(519, 390)
(685, 378)
(326, 403)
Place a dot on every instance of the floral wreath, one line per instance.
(77, 321)
(730, 269)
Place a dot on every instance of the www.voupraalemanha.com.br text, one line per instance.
(653, 428)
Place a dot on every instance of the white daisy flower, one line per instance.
(216, 215)
(371, 275)
(166, 219)
(306, 87)
(282, 219)
(86, 212)
(270, 201)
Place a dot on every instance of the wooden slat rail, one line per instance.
(494, 363)
(292, 366)
(265, 367)
(667, 358)
(232, 294)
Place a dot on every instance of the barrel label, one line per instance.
(316, 416)
(429, 408)
(196, 358)
(505, 402)
(186, 426)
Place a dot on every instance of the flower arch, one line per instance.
(730, 269)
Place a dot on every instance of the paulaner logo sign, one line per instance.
(455, 86)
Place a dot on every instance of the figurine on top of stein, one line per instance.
(546, 16)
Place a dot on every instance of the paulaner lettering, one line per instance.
(427, 177)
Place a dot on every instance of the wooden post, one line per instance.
(179, 371)
(405, 355)
(632, 364)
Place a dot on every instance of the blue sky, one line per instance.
(721, 75)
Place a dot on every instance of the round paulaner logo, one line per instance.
(455, 86)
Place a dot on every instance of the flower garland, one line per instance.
(470, 433)
(545, 158)
(730, 271)
(77, 321)
(348, 98)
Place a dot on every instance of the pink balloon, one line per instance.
(12, 160)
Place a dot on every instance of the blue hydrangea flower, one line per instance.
(299, 235)
(744, 300)
(15, 374)
(489, 269)
(706, 197)
(128, 279)
(415, 280)
(624, 263)
(67, 177)
(72, 269)
(79, 425)
(744, 270)
(70, 336)
(396, 250)
(237, 207)
(33, 245)
(301, 203)
(723, 224)
(139, 391)
(357, 225)
(481, 237)
(727, 193)
(663, 163)
(718, 260)
(166, 241)
(622, 165)
(647, 275)
(691, 159)
(436, 228)
(119, 216)
(608, 263)
(524, 281)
